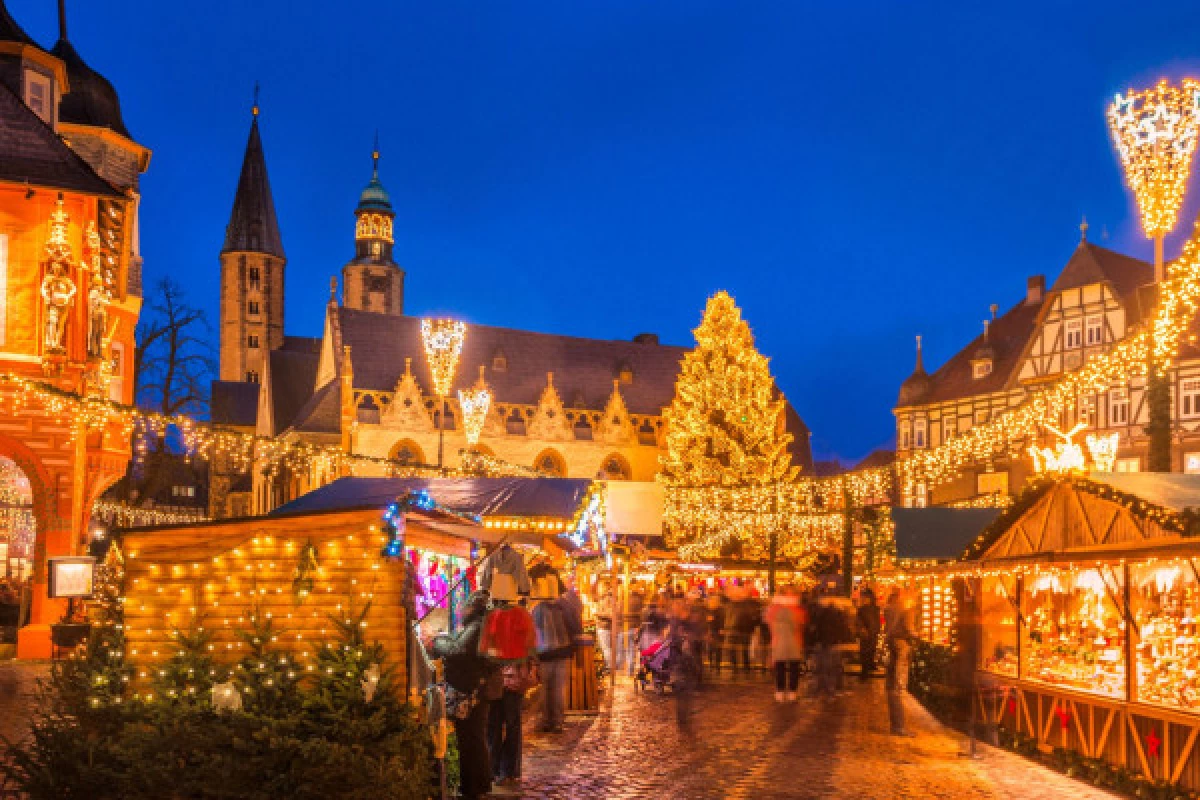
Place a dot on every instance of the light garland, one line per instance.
(1155, 135)
(124, 515)
(443, 341)
(474, 404)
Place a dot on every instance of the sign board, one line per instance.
(70, 576)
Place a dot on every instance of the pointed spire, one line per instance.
(375, 157)
(62, 20)
(253, 226)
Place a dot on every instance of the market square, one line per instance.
(645, 420)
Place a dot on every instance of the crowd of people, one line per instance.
(519, 631)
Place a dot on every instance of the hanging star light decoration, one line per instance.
(443, 341)
(1067, 455)
(475, 403)
(1103, 449)
(1155, 134)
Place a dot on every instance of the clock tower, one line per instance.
(373, 281)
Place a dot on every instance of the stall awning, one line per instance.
(1172, 490)
(938, 534)
(507, 497)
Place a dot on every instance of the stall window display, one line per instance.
(938, 612)
(436, 573)
(1165, 600)
(1073, 634)
(998, 601)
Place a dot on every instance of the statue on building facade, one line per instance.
(58, 290)
(99, 298)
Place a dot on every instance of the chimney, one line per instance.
(646, 338)
(1035, 288)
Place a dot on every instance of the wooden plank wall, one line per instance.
(213, 575)
(1156, 742)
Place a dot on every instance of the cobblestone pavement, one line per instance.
(744, 745)
(17, 684)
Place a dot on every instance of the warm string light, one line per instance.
(126, 516)
(1155, 135)
(443, 341)
(474, 404)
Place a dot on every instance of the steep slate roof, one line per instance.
(1010, 333)
(34, 153)
(321, 412)
(252, 224)
(92, 99)
(10, 31)
(234, 403)
(293, 374)
(583, 369)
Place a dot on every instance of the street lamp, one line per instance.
(443, 340)
(1154, 131)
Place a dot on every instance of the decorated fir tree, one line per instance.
(187, 678)
(266, 676)
(725, 426)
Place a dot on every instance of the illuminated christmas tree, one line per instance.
(725, 426)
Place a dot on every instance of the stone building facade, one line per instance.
(561, 405)
(70, 296)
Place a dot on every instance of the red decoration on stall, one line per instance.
(1153, 743)
(1011, 705)
(1064, 717)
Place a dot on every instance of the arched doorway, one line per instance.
(18, 535)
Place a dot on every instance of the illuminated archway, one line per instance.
(407, 452)
(550, 462)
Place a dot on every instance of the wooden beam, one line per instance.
(1028, 721)
(1137, 744)
(1184, 754)
(1108, 721)
(1083, 742)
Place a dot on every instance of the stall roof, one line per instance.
(1172, 490)
(505, 497)
(938, 533)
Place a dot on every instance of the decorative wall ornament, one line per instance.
(407, 410)
(550, 420)
(99, 298)
(475, 404)
(615, 425)
(58, 287)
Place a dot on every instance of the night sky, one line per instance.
(853, 173)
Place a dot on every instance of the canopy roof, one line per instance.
(484, 497)
(940, 534)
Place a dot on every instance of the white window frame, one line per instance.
(905, 435)
(32, 79)
(1189, 398)
(949, 427)
(1073, 334)
(920, 431)
(1118, 407)
(1094, 331)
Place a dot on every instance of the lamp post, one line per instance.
(443, 341)
(1154, 132)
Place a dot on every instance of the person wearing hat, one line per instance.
(557, 627)
(466, 671)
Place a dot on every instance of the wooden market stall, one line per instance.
(1087, 598)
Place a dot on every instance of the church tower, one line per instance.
(252, 263)
(373, 281)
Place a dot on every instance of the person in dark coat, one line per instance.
(466, 671)
(868, 633)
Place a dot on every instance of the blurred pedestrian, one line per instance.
(714, 619)
(557, 628)
(746, 618)
(786, 619)
(868, 633)
(466, 672)
(898, 625)
(504, 716)
(631, 624)
(604, 626)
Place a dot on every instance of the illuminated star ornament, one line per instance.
(1155, 135)
(1153, 743)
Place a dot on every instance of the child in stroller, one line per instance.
(658, 662)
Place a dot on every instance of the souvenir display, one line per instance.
(938, 612)
(1073, 633)
(998, 606)
(1165, 600)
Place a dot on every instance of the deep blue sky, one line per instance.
(853, 172)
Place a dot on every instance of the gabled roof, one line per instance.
(252, 224)
(31, 152)
(235, 403)
(1010, 333)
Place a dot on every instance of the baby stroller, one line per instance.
(659, 662)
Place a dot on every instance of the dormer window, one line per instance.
(499, 361)
(625, 374)
(981, 369)
(37, 95)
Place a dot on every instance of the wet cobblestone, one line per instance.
(744, 745)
